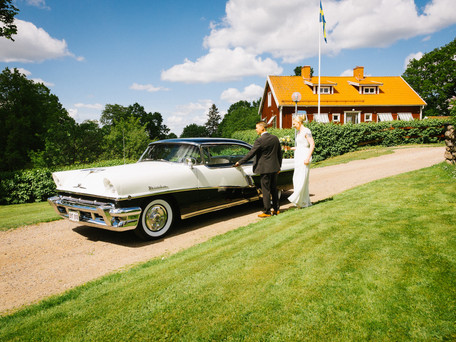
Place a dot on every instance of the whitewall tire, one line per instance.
(156, 219)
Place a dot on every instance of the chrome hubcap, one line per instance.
(156, 217)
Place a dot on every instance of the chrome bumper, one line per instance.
(96, 214)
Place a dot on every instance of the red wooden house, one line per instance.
(343, 99)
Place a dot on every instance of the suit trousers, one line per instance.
(269, 190)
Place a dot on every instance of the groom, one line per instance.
(267, 163)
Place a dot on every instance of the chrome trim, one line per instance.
(220, 207)
(97, 214)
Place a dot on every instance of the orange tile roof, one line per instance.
(394, 91)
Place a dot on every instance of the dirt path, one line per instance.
(46, 259)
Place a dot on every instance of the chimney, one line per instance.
(305, 72)
(358, 73)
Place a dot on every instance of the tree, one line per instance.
(28, 111)
(194, 131)
(213, 121)
(433, 77)
(241, 115)
(126, 139)
(7, 13)
(153, 122)
(452, 106)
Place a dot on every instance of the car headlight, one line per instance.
(109, 186)
(56, 180)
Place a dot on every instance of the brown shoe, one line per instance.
(276, 212)
(262, 215)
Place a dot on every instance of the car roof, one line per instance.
(200, 141)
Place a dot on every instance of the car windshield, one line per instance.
(177, 153)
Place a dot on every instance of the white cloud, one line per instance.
(190, 113)
(85, 111)
(147, 87)
(39, 80)
(32, 44)
(346, 73)
(37, 3)
(221, 65)
(73, 113)
(89, 106)
(24, 71)
(289, 30)
(416, 56)
(36, 80)
(250, 93)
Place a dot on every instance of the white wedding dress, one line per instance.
(300, 195)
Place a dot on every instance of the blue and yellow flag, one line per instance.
(322, 20)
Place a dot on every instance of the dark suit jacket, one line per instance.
(268, 153)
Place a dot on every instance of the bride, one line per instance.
(302, 157)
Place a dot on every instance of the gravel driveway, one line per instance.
(46, 259)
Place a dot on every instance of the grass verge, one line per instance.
(377, 262)
(18, 215)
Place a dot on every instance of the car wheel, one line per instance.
(156, 219)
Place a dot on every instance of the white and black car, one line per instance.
(174, 179)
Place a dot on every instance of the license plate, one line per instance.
(73, 216)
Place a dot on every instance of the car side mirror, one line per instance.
(190, 162)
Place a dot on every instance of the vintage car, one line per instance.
(174, 179)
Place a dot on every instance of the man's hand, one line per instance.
(237, 164)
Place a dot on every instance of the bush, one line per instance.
(37, 185)
(334, 139)
(26, 186)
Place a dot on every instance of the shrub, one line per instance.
(37, 185)
(333, 139)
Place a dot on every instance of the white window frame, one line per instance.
(406, 116)
(369, 90)
(269, 99)
(388, 116)
(336, 117)
(356, 113)
(325, 90)
(367, 117)
(324, 118)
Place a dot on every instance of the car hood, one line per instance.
(119, 182)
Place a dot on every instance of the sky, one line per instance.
(179, 57)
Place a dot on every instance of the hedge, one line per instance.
(330, 140)
(334, 139)
(36, 185)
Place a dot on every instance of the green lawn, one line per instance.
(377, 262)
(17, 215)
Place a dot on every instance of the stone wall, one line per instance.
(450, 142)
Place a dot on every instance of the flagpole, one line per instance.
(319, 63)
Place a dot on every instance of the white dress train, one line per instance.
(300, 196)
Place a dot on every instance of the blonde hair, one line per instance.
(301, 118)
(262, 124)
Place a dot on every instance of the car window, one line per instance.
(223, 154)
(171, 152)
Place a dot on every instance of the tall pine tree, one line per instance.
(213, 121)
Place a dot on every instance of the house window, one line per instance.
(405, 116)
(325, 90)
(369, 90)
(368, 117)
(336, 117)
(352, 117)
(322, 118)
(385, 117)
(269, 99)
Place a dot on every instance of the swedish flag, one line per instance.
(322, 20)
